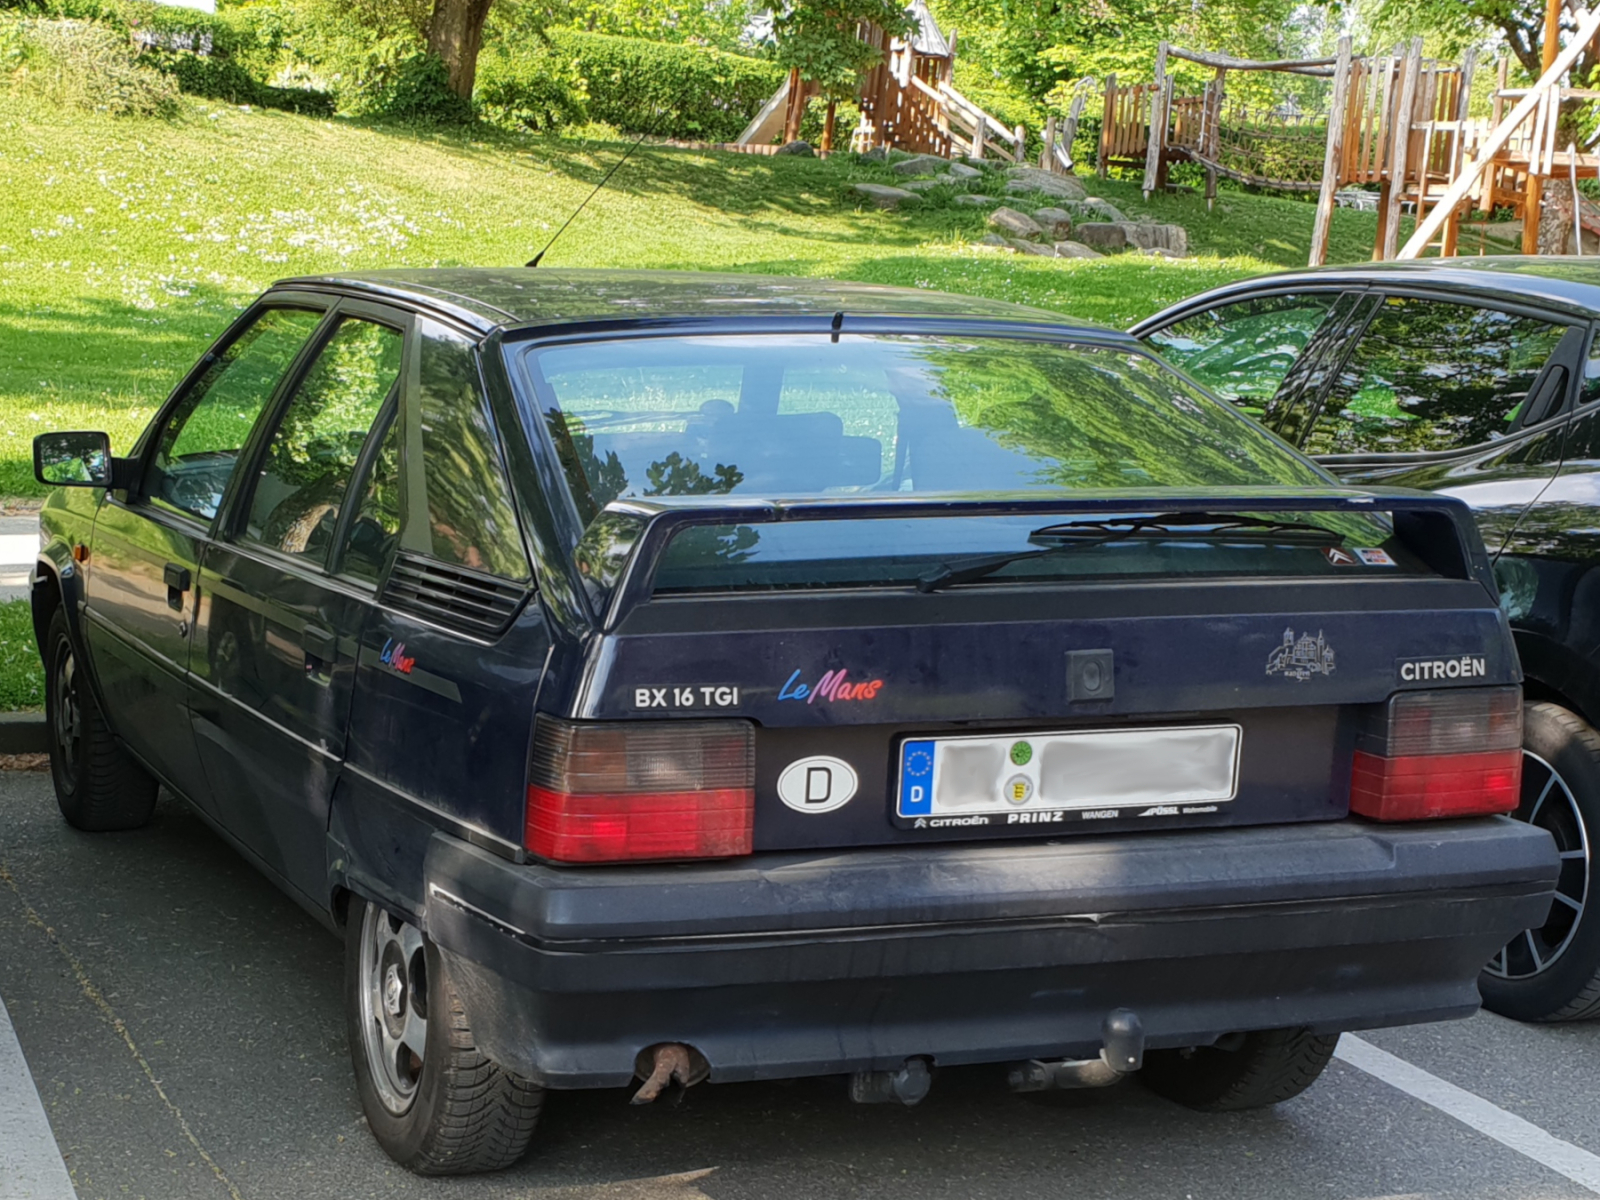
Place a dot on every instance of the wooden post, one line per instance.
(1047, 156)
(1157, 145)
(1452, 228)
(1400, 152)
(1020, 144)
(828, 124)
(1332, 156)
(1533, 205)
(980, 135)
(1107, 121)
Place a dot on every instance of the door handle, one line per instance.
(178, 581)
(321, 645)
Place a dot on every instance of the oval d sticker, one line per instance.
(817, 785)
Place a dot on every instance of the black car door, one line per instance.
(276, 630)
(148, 542)
(1445, 395)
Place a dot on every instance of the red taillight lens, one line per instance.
(1454, 753)
(626, 792)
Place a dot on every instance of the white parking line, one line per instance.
(1490, 1120)
(30, 1165)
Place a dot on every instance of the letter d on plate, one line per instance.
(817, 785)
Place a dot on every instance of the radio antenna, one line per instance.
(534, 261)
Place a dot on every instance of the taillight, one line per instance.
(621, 792)
(1455, 753)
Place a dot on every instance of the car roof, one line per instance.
(1568, 282)
(514, 297)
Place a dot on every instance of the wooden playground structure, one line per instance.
(1399, 122)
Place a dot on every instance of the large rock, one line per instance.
(885, 196)
(1014, 224)
(960, 170)
(924, 185)
(920, 164)
(1076, 250)
(1033, 248)
(1103, 235)
(1093, 209)
(799, 149)
(1148, 236)
(974, 200)
(1033, 179)
(995, 240)
(1056, 222)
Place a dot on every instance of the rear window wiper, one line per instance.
(1098, 531)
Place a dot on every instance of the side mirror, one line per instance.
(75, 459)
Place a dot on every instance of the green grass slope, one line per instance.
(126, 245)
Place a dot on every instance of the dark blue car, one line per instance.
(679, 677)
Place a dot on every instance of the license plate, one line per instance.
(1077, 769)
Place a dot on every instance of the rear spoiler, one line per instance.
(619, 556)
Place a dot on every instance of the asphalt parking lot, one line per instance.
(181, 1024)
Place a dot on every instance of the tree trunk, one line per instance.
(455, 34)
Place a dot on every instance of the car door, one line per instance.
(1447, 395)
(148, 541)
(276, 630)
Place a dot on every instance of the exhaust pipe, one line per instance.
(1121, 1053)
(909, 1085)
(666, 1064)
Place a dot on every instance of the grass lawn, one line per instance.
(21, 679)
(126, 245)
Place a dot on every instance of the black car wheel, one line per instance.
(1552, 973)
(99, 787)
(1251, 1070)
(436, 1105)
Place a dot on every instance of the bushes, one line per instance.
(634, 85)
(80, 64)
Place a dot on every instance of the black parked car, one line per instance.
(1475, 378)
(683, 676)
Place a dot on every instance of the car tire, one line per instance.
(1553, 973)
(99, 786)
(1251, 1071)
(447, 1110)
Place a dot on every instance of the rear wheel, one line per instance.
(436, 1105)
(1552, 973)
(1252, 1070)
(99, 787)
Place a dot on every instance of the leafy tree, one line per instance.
(820, 39)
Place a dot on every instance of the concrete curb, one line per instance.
(24, 733)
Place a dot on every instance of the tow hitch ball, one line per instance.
(1121, 1052)
(909, 1085)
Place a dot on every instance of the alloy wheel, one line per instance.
(1547, 801)
(394, 1006)
(66, 716)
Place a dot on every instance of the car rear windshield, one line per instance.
(805, 415)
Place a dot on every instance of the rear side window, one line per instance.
(314, 450)
(471, 519)
(202, 439)
(1432, 375)
(1242, 351)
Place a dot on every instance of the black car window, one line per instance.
(1242, 351)
(375, 525)
(471, 519)
(201, 441)
(313, 452)
(1432, 375)
(1591, 373)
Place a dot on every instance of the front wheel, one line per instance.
(436, 1105)
(1251, 1070)
(1552, 973)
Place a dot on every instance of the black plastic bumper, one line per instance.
(806, 964)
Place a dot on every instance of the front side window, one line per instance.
(1242, 351)
(200, 444)
(313, 452)
(1431, 375)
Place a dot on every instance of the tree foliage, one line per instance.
(819, 37)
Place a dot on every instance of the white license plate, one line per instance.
(1078, 769)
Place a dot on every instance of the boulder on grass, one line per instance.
(994, 239)
(1014, 224)
(1033, 179)
(1040, 248)
(960, 170)
(920, 164)
(1076, 250)
(885, 196)
(1093, 209)
(974, 200)
(924, 185)
(1148, 236)
(1103, 235)
(798, 149)
(1056, 222)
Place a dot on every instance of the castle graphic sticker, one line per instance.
(1301, 658)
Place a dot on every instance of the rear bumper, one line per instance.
(805, 964)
